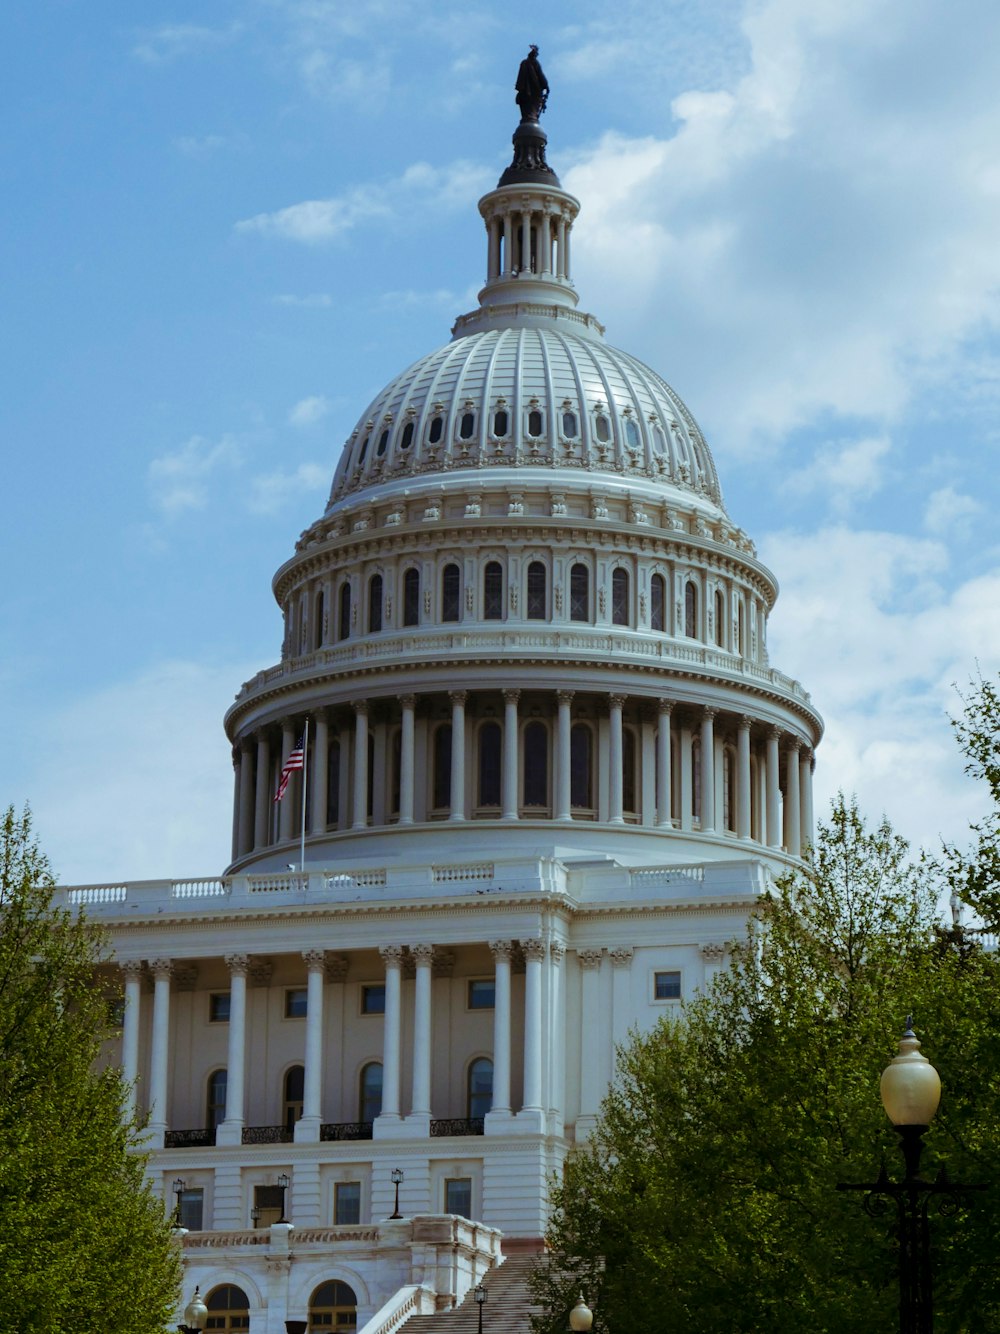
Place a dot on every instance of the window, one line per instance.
(534, 423)
(406, 440)
(720, 618)
(218, 1007)
(450, 593)
(364, 451)
(294, 1093)
(569, 425)
(383, 441)
(631, 433)
(192, 1209)
(536, 765)
(215, 1109)
(629, 785)
(467, 426)
(442, 767)
(579, 593)
(411, 597)
(333, 1306)
(603, 429)
(657, 602)
(482, 993)
(659, 440)
(344, 623)
(619, 597)
(667, 986)
(500, 422)
(489, 764)
(228, 1309)
(319, 615)
(480, 1087)
(690, 610)
(370, 1089)
(437, 430)
(295, 1002)
(374, 604)
(493, 591)
(333, 783)
(536, 591)
(458, 1196)
(373, 998)
(740, 649)
(581, 766)
(347, 1202)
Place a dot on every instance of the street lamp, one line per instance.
(195, 1315)
(581, 1317)
(396, 1176)
(283, 1184)
(178, 1189)
(911, 1091)
(480, 1295)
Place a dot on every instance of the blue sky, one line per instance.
(227, 225)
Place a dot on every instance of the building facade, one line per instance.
(546, 769)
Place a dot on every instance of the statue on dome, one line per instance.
(532, 87)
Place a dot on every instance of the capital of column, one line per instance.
(708, 713)
(511, 696)
(557, 950)
(407, 701)
(713, 953)
(617, 701)
(502, 949)
(392, 955)
(666, 706)
(238, 964)
(533, 949)
(565, 696)
(774, 733)
(360, 707)
(744, 723)
(314, 959)
(336, 968)
(161, 968)
(589, 958)
(621, 955)
(260, 971)
(131, 969)
(422, 955)
(795, 743)
(458, 696)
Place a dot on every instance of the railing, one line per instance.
(189, 1139)
(277, 884)
(458, 1125)
(267, 1135)
(474, 871)
(334, 1130)
(198, 889)
(82, 894)
(654, 876)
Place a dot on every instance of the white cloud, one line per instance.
(271, 492)
(200, 145)
(308, 411)
(949, 513)
(156, 46)
(842, 473)
(179, 480)
(310, 301)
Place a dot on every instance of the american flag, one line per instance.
(296, 760)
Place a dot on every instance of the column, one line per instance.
(501, 950)
(743, 778)
(534, 953)
(557, 1036)
(621, 959)
(307, 1128)
(161, 969)
(807, 762)
(406, 760)
(237, 769)
(708, 770)
(262, 806)
(615, 813)
(392, 956)
(793, 835)
(320, 774)
(663, 799)
(510, 753)
(458, 698)
(686, 768)
(245, 822)
(561, 243)
(423, 957)
(508, 244)
(526, 241)
(493, 255)
(132, 972)
(563, 786)
(360, 816)
(231, 1130)
(773, 832)
(590, 1055)
(286, 807)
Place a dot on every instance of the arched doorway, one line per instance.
(333, 1306)
(228, 1308)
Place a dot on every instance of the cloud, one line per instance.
(200, 145)
(950, 514)
(157, 46)
(310, 301)
(179, 480)
(272, 491)
(843, 473)
(308, 411)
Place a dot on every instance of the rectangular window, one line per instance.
(667, 986)
(458, 1196)
(295, 1002)
(267, 1202)
(482, 994)
(218, 1007)
(373, 998)
(192, 1209)
(347, 1202)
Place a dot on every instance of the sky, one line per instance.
(227, 225)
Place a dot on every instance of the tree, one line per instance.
(975, 875)
(705, 1199)
(84, 1245)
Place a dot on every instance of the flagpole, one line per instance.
(305, 796)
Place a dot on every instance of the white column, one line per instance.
(406, 760)
(510, 753)
(534, 953)
(563, 724)
(557, 1036)
(501, 950)
(561, 244)
(807, 762)
(458, 698)
(132, 972)
(318, 780)
(590, 1054)
(423, 956)
(231, 1130)
(245, 822)
(663, 763)
(621, 1009)
(307, 1127)
(708, 769)
(493, 249)
(392, 956)
(793, 837)
(526, 241)
(772, 762)
(743, 777)
(360, 815)
(286, 809)
(508, 244)
(161, 969)
(615, 813)
(263, 794)
(237, 769)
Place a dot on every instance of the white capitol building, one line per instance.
(549, 768)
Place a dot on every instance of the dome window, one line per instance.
(603, 429)
(657, 602)
(720, 618)
(690, 610)
(569, 425)
(407, 437)
(493, 592)
(631, 433)
(411, 597)
(383, 442)
(375, 604)
(501, 422)
(619, 597)
(364, 450)
(450, 593)
(579, 593)
(467, 426)
(437, 429)
(659, 440)
(536, 591)
(534, 423)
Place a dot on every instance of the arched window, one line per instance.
(319, 615)
(370, 1092)
(442, 767)
(631, 433)
(536, 765)
(467, 426)
(450, 606)
(228, 1309)
(333, 1306)
(501, 422)
(333, 783)
(383, 442)
(536, 591)
(493, 591)
(364, 451)
(720, 618)
(406, 439)
(581, 766)
(534, 423)
(437, 429)
(740, 645)
(411, 597)
(579, 593)
(489, 764)
(657, 602)
(659, 440)
(602, 429)
(630, 786)
(374, 604)
(690, 610)
(569, 425)
(294, 1092)
(619, 597)
(215, 1103)
(479, 1098)
(344, 625)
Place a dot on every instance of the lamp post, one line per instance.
(581, 1317)
(178, 1189)
(480, 1295)
(283, 1184)
(195, 1315)
(911, 1090)
(396, 1176)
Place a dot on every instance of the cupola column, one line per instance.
(132, 973)
(423, 957)
(245, 822)
(511, 783)
(772, 763)
(360, 764)
(307, 1127)
(508, 244)
(563, 787)
(743, 778)
(493, 260)
(663, 793)
(286, 807)
(534, 953)
(561, 232)
(320, 772)
(392, 956)
(458, 698)
(406, 760)
(501, 950)
(615, 797)
(262, 807)
(793, 829)
(525, 241)
(161, 970)
(806, 763)
(231, 1129)
(708, 770)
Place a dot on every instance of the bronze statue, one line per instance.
(532, 87)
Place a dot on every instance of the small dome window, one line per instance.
(603, 429)
(534, 423)
(406, 439)
(569, 425)
(383, 442)
(659, 440)
(364, 450)
(467, 426)
(631, 433)
(501, 423)
(437, 429)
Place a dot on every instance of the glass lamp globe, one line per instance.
(910, 1087)
(581, 1317)
(196, 1312)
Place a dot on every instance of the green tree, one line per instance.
(975, 874)
(84, 1245)
(706, 1198)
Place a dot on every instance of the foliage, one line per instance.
(83, 1243)
(706, 1198)
(975, 876)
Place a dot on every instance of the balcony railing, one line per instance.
(346, 1130)
(458, 1125)
(267, 1135)
(189, 1139)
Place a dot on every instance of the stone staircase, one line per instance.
(507, 1309)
